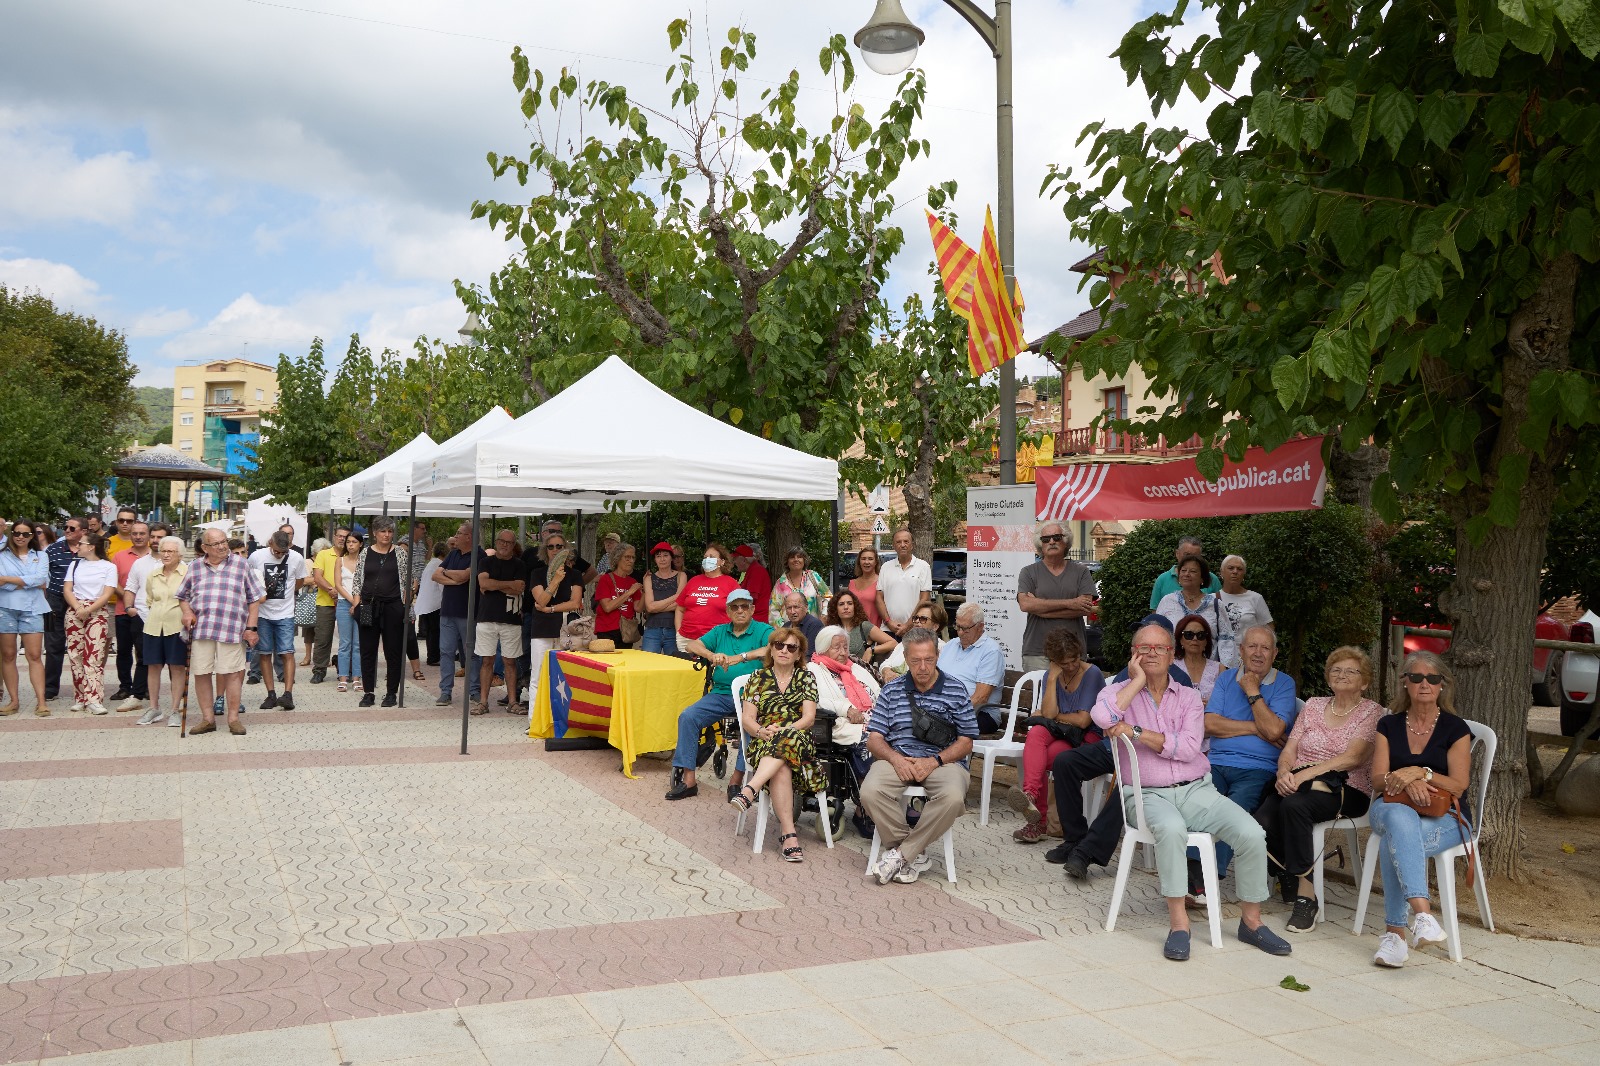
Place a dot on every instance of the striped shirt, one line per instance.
(60, 557)
(947, 698)
(221, 596)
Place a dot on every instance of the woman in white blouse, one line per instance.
(91, 582)
(847, 690)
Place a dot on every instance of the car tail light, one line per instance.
(1582, 633)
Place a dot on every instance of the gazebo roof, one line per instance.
(162, 463)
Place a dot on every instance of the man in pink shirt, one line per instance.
(1166, 723)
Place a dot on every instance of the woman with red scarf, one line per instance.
(847, 690)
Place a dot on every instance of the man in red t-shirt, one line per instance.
(752, 575)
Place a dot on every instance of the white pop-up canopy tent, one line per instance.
(336, 498)
(588, 440)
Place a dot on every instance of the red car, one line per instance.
(1546, 672)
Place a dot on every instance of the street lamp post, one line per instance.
(888, 44)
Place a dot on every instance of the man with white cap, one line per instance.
(733, 649)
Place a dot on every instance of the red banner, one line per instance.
(1289, 478)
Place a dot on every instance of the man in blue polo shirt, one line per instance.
(977, 661)
(904, 755)
(1251, 711)
(733, 650)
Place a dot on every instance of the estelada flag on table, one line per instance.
(580, 695)
(975, 285)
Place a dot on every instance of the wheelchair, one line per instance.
(719, 741)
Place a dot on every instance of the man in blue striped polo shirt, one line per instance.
(901, 757)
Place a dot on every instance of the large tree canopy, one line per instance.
(1403, 205)
(725, 250)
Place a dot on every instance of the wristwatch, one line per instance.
(1138, 731)
(1257, 696)
(939, 758)
(1427, 774)
(252, 629)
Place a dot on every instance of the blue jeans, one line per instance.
(661, 641)
(349, 664)
(695, 717)
(453, 643)
(1406, 841)
(1243, 787)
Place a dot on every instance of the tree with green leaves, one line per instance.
(728, 252)
(66, 406)
(1402, 212)
(924, 417)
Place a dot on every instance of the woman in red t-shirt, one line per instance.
(703, 603)
(616, 596)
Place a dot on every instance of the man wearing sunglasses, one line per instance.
(733, 650)
(60, 556)
(1055, 593)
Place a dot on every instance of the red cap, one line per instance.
(662, 546)
(743, 551)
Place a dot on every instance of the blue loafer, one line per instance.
(1264, 938)
(1177, 945)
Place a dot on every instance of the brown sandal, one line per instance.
(418, 675)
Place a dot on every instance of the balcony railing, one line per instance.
(1087, 441)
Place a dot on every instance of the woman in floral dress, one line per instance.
(779, 706)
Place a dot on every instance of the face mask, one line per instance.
(710, 563)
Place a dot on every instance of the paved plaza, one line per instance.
(340, 886)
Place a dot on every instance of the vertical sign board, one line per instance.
(1000, 532)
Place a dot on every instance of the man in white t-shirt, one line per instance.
(283, 571)
(904, 583)
(1239, 609)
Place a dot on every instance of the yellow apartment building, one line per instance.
(216, 416)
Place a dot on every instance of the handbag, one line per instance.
(1072, 734)
(365, 614)
(1439, 803)
(305, 607)
(631, 630)
(930, 728)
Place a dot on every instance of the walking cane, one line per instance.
(183, 711)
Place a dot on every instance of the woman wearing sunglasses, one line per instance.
(780, 703)
(926, 616)
(1195, 651)
(23, 575)
(1421, 750)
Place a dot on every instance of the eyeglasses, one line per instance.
(1151, 649)
(123, 521)
(1347, 672)
(922, 620)
(1417, 679)
(556, 547)
(963, 628)
(1194, 634)
(789, 646)
(1053, 538)
(741, 606)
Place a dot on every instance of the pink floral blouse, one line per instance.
(1318, 741)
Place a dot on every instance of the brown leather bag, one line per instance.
(1439, 804)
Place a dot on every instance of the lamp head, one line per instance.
(889, 40)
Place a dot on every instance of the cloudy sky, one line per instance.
(236, 177)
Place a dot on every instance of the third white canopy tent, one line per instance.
(611, 436)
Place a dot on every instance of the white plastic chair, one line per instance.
(949, 838)
(1444, 863)
(763, 805)
(1319, 839)
(1138, 832)
(1005, 747)
(1094, 796)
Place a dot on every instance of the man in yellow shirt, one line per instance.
(325, 574)
(121, 540)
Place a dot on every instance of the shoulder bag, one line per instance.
(929, 728)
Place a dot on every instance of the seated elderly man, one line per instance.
(798, 616)
(1251, 711)
(1166, 723)
(920, 733)
(977, 661)
(733, 650)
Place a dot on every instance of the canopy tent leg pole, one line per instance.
(222, 498)
(405, 583)
(833, 544)
(647, 541)
(136, 508)
(188, 486)
(386, 512)
(522, 530)
(472, 619)
(708, 519)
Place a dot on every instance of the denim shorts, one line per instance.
(20, 622)
(276, 636)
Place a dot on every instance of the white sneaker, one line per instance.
(1425, 929)
(151, 717)
(1392, 951)
(173, 720)
(889, 864)
(132, 703)
(77, 706)
(910, 871)
(96, 708)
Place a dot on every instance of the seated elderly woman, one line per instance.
(846, 690)
(1196, 649)
(1421, 757)
(927, 616)
(779, 705)
(1323, 773)
(867, 642)
(1060, 724)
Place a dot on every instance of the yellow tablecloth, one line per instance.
(632, 698)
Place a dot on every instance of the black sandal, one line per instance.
(792, 853)
(738, 800)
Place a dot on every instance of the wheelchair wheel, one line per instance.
(719, 761)
(836, 814)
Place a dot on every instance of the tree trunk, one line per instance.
(1495, 596)
(919, 486)
(1353, 475)
(780, 534)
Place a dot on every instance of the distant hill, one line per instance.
(157, 404)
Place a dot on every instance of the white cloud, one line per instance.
(67, 288)
(43, 179)
(159, 321)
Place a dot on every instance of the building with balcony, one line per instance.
(216, 414)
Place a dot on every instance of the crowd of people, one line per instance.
(1223, 743)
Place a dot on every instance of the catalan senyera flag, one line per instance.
(974, 284)
(580, 695)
